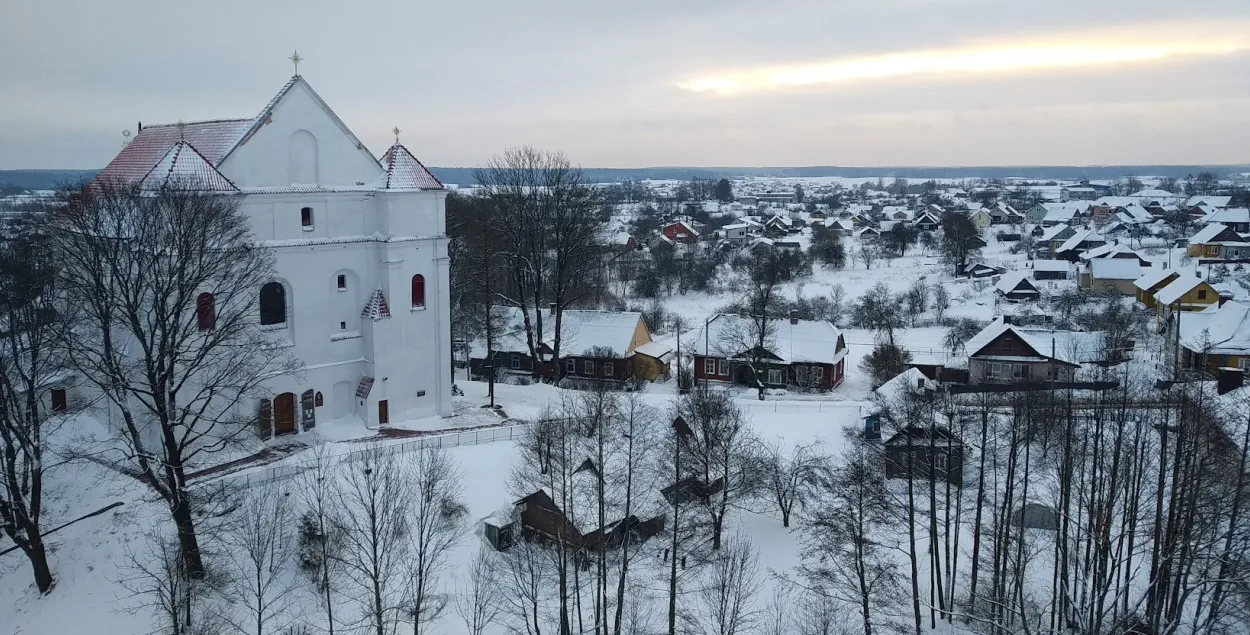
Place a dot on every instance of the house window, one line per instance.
(306, 218)
(273, 303)
(59, 401)
(1020, 371)
(205, 312)
(341, 282)
(588, 368)
(516, 362)
(1243, 363)
(722, 368)
(418, 291)
(994, 369)
(607, 370)
(709, 366)
(1202, 294)
(818, 372)
(774, 376)
(1053, 372)
(570, 367)
(939, 460)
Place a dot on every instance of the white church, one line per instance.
(361, 286)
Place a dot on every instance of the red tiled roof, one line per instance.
(184, 164)
(211, 139)
(405, 172)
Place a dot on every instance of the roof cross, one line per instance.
(395, 131)
(296, 59)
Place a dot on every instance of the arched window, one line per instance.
(418, 291)
(272, 304)
(205, 312)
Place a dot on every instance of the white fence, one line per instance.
(298, 464)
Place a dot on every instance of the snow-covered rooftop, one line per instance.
(730, 336)
(1073, 347)
(1115, 269)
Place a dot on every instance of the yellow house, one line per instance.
(1216, 338)
(1150, 284)
(1113, 275)
(981, 218)
(1185, 294)
(1216, 240)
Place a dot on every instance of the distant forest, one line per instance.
(11, 180)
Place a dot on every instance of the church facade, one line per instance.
(360, 292)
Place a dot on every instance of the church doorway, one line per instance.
(384, 414)
(284, 414)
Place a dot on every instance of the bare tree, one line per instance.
(374, 499)
(158, 581)
(475, 600)
(161, 287)
(792, 476)
(726, 601)
(821, 615)
(775, 619)
(845, 559)
(522, 575)
(30, 328)
(753, 339)
(259, 551)
(320, 528)
(549, 218)
(718, 453)
(941, 301)
(435, 523)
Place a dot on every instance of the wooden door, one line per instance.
(284, 413)
(383, 414)
(307, 410)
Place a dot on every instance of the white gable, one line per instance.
(298, 141)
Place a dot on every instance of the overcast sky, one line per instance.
(652, 82)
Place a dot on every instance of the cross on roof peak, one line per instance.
(395, 131)
(296, 59)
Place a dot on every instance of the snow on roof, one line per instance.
(1212, 201)
(1059, 215)
(1110, 250)
(1115, 269)
(1078, 238)
(1207, 233)
(211, 139)
(1153, 194)
(1137, 213)
(1114, 201)
(655, 349)
(1050, 232)
(580, 331)
(1051, 265)
(1177, 288)
(807, 341)
(183, 166)
(1012, 280)
(1218, 329)
(405, 172)
(908, 381)
(1073, 347)
(1229, 215)
(1152, 277)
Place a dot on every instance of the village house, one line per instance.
(1215, 202)
(1051, 269)
(1054, 236)
(1150, 283)
(1111, 275)
(1216, 337)
(981, 218)
(981, 270)
(804, 354)
(1080, 242)
(682, 232)
(1115, 250)
(538, 518)
(1218, 241)
(923, 452)
(1003, 353)
(1017, 287)
(926, 221)
(1078, 193)
(612, 346)
(1187, 293)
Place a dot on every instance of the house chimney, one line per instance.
(1229, 380)
(140, 129)
(794, 317)
(551, 308)
(1006, 319)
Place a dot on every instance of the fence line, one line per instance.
(450, 440)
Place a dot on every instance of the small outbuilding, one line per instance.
(924, 452)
